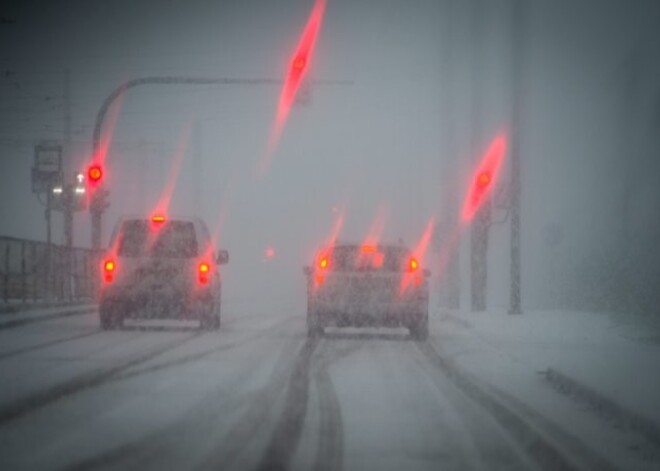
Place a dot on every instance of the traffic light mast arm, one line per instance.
(165, 80)
(179, 80)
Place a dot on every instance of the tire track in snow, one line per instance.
(204, 417)
(31, 348)
(288, 429)
(39, 399)
(522, 424)
(330, 451)
(13, 323)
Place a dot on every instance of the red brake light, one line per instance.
(109, 270)
(203, 273)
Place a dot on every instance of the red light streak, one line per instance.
(485, 178)
(163, 204)
(295, 76)
(418, 256)
(376, 229)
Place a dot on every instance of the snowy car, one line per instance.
(367, 285)
(161, 268)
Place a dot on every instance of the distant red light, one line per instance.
(159, 218)
(323, 263)
(413, 264)
(270, 252)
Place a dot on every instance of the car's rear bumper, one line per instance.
(372, 314)
(159, 306)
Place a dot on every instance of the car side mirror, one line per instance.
(222, 258)
(307, 270)
(427, 273)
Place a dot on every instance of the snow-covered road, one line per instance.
(259, 395)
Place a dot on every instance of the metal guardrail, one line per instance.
(33, 271)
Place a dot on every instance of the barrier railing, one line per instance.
(33, 271)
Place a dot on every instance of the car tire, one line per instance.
(109, 318)
(210, 321)
(314, 327)
(420, 331)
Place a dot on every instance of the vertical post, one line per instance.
(49, 251)
(23, 274)
(518, 90)
(480, 225)
(96, 228)
(198, 189)
(68, 188)
(35, 283)
(6, 277)
(69, 200)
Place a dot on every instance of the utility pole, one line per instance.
(480, 226)
(68, 211)
(519, 38)
(198, 181)
(68, 207)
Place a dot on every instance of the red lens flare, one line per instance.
(158, 218)
(162, 206)
(295, 75)
(376, 229)
(484, 178)
(323, 263)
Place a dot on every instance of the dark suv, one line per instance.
(161, 268)
(367, 285)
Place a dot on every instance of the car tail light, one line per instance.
(203, 272)
(413, 264)
(158, 219)
(109, 271)
(323, 263)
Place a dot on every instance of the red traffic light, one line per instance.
(95, 173)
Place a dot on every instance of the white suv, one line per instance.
(161, 268)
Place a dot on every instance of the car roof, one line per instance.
(394, 245)
(200, 226)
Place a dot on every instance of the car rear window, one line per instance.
(172, 239)
(359, 258)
